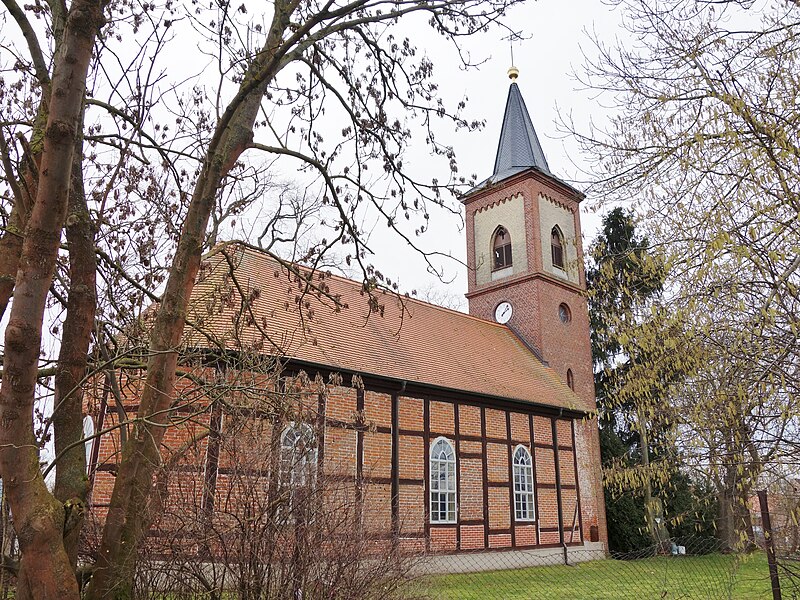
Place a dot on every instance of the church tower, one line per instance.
(525, 254)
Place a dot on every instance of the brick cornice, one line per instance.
(497, 202)
(557, 202)
(532, 173)
(517, 279)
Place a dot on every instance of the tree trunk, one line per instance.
(38, 516)
(126, 521)
(11, 242)
(734, 525)
(27, 183)
(71, 479)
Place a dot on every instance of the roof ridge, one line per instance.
(405, 297)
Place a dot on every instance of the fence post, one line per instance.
(766, 525)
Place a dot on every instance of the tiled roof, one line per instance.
(400, 338)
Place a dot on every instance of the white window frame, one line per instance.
(88, 440)
(510, 257)
(450, 492)
(524, 498)
(302, 470)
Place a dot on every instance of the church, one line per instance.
(473, 432)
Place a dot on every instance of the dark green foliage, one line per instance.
(690, 509)
(623, 276)
(627, 527)
(624, 279)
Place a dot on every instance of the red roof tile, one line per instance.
(411, 340)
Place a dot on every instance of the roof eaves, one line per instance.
(495, 180)
(410, 386)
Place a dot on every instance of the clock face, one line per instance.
(503, 312)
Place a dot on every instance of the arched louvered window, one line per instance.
(523, 485)
(570, 380)
(501, 249)
(443, 482)
(557, 247)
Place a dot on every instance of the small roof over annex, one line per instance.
(247, 300)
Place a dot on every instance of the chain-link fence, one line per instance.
(777, 531)
(681, 568)
(696, 568)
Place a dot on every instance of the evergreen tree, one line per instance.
(622, 280)
(639, 456)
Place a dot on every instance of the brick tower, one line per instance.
(525, 260)
(525, 255)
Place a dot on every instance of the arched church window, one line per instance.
(501, 248)
(443, 482)
(523, 485)
(298, 463)
(89, 440)
(557, 247)
(570, 380)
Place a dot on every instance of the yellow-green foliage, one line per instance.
(705, 145)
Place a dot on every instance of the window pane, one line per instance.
(558, 257)
(523, 484)
(442, 481)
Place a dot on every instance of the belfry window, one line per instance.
(443, 482)
(523, 485)
(557, 247)
(501, 249)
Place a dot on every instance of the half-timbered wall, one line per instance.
(379, 439)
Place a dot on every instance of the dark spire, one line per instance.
(519, 147)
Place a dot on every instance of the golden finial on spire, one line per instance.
(513, 73)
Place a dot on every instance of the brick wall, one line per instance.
(360, 421)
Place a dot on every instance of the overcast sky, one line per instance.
(547, 60)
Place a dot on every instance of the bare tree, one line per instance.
(338, 58)
(45, 571)
(333, 89)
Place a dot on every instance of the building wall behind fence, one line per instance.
(377, 442)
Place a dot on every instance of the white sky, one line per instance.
(547, 63)
(556, 32)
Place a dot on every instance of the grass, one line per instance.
(686, 577)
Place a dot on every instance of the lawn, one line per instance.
(696, 577)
